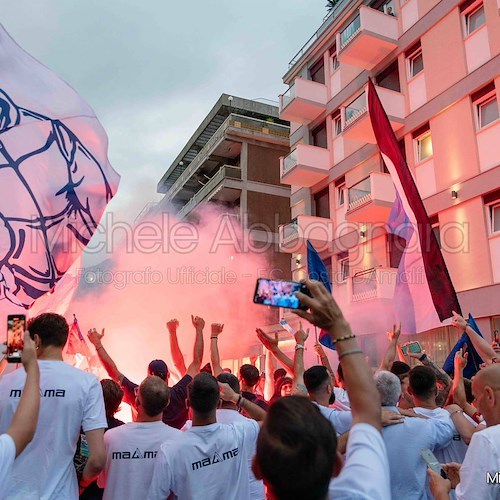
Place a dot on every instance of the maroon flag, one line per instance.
(424, 294)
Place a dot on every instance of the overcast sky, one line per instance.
(152, 69)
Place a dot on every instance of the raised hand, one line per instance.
(301, 335)
(198, 323)
(267, 341)
(95, 337)
(461, 357)
(458, 321)
(172, 325)
(217, 329)
(319, 350)
(395, 333)
(28, 357)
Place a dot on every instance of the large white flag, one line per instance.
(55, 177)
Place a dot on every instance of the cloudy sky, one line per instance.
(152, 69)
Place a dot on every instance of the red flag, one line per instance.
(430, 293)
(76, 343)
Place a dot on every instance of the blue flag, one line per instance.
(317, 270)
(473, 361)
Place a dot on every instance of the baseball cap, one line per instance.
(159, 368)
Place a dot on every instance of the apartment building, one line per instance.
(435, 65)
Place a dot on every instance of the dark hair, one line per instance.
(154, 395)
(315, 377)
(113, 395)
(423, 382)
(279, 373)
(278, 386)
(159, 368)
(51, 328)
(296, 450)
(400, 368)
(232, 380)
(249, 374)
(340, 373)
(203, 393)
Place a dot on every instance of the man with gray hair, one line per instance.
(404, 442)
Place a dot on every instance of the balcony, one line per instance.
(294, 235)
(371, 200)
(368, 39)
(303, 102)
(224, 185)
(305, 165)
(375, 283)
(357, 120)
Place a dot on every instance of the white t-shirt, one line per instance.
(210, 463)
(7, 457)
(482, 459)
(365, 475)
(341, 399)
(130, 453)
(457, 449)
(225, 416)
(341, 420)
(70, 399)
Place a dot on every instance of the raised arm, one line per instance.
(326, 314)
(272, 345)
(483, 348)
(390, 354)
(194, 367)
(23, 425)
(252, 410)
(298, 361)
(175, 351)
(269, 383)
(109, 365)
(214, 348)
(324, 360)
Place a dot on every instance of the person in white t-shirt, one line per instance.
(423, 388)
(297, 451)
(211, 462)
(477, 476)
(228, 413)
(132, 448)
(70, 400)
(23, 425)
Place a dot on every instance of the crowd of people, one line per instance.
(291, 433)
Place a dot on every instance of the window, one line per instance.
(319, 137)
(474, 19)
(343, 266)
(322, 203)
(423, 143)
(395, 248)
(337, 123)
(389, 78)
(415, 60)
(486, 105)
(492, 203)
(333, 58)
(340, 191)
(317, 72)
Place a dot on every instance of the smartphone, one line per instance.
(411, 348)
(16, 324)
(433, 463)
(279, 293)
(287, 326)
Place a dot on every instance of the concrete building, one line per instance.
(233, 160)
(436, 69)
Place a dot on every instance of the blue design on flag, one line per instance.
(55, 180)
(317, 270)
(473, 361)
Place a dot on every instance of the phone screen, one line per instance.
(16, 325)
(433, 463)
(414, 347)
(279, 293)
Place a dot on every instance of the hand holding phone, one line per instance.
(279, 293)
(433, 463)
(16, 324)
(411, 348)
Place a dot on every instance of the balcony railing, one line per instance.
(290, 230)
(288, 96)
(204, 193)
(350, 31)
(360, 193)
(290, 161)
(373, 283)
(355, 109)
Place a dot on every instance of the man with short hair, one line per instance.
(176, 414)
(249, 378)
(132, 448)
(423, 388)
(71, 400)
(474, 478)
(320, 387)
(404, 442)
(211, 462)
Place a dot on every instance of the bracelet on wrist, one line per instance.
(345, 337)
(299, 346)
(348, 353)
(214, 338)
(424, 356)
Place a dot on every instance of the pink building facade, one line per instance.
(436, 70)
